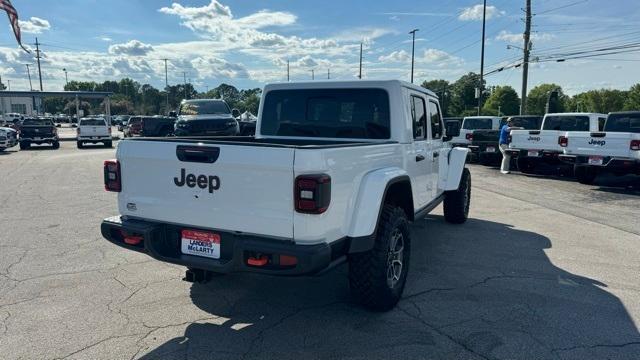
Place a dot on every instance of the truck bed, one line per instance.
(267, 142)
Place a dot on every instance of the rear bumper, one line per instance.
(618, 165)
(33, 140)
(163, 241)
(94, 138)
(542, 155)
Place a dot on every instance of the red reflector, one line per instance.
(288, 260)
(635, 145)
(563, 141)
(133, 240)
(261, 261)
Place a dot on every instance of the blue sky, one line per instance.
(247, 43)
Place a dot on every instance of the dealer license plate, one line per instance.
(201, 243)
(491, 149)
(37, 138)
(533, 153)
(595, 160)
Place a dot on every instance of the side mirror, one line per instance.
(173, 113)
(235, 113)
(452, 129)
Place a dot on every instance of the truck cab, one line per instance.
(616, 149)
(471, 123)
(485, 143)
(533, 148)
(336, 172)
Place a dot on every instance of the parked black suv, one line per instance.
(205, 117)
(38, 131)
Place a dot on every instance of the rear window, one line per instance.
(204, 108)
(477, 124)
(528, 123)
(566, 123)
(328, 113)
(623, 123)
(92, 122)
(37, 122)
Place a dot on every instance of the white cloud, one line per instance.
(474, 13)
(398, 56)
(131, 48)
(105, 38)
(516, 38)
(34, 25)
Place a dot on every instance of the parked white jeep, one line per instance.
(535, 147)
(616, 149)
(336, 172)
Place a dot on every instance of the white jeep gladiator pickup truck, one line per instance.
(535, 147)
(616, 149)
(335, 172)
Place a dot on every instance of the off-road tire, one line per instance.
(457, 202)
(24, 145)
(377, 277)
(55, 145)
(585, 175)
(80, 144)
(525, 166)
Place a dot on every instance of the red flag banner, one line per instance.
(13, 19)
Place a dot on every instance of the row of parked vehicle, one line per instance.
(588, 143)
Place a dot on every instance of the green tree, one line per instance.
(503, 100)
(633, 98)
(463, 95)
(539, 95)
(442, 89)
(250, 100)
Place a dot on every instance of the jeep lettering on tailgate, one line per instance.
(202, 181)
(534, 138)
(597, 142)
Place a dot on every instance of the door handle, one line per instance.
(419, 158)
(436, 154)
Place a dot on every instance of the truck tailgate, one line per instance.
(536, 140)
(607, 144)
(244, 188)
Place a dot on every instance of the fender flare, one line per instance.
(457, 159)
(366, 212)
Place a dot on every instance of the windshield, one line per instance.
(623, 123)
(528, 123)
(204, 108)
(328, 113)
(566, 123)
(37, 122)
(477, 123)
(92, 122)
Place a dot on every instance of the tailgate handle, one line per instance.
(200, 154)
(598, 134)
(534, 132)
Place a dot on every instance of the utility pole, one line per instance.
(484, 22)
(38, 58)
(166, 84)
(525, 62)
(313, 76)
(360, 73)
(288, 70)
(29, 74)
(184, 73)
(413, 50)
(328, 74)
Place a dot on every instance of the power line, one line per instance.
(562, 7)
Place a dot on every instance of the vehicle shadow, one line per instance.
(484, 290)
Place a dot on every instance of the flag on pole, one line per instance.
(13, 19)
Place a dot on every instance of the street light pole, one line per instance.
(66, 76)
(413, 50)
(484, 20)
(29, 74)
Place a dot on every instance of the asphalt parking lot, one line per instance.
(544, 269)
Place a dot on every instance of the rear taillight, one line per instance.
(469, 137)
(635, 145)
(312, 193)
(112, 176)
(563, 141)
